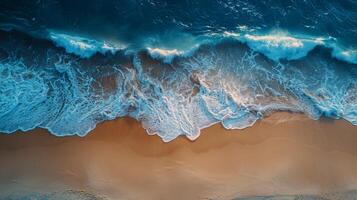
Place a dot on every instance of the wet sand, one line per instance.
(284, 154)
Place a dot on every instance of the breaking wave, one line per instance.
(276, 46)
(175, 66)
(68, 90)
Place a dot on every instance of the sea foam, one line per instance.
(278, 47)
(275, 45)
(227, 82)
(82, 46)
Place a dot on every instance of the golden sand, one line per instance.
(283, 154)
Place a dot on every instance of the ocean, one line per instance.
(175, 66)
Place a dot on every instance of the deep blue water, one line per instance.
(176, 66)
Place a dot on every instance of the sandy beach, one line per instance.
(284, 154)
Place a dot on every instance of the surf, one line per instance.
(171, 92)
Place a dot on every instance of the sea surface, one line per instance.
(175, 66)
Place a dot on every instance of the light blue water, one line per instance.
(175, 66)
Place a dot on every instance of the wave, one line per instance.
(345, 55)
(171, 92)
(166, 55)
(279, 46)
(276, 46)
(81, 46)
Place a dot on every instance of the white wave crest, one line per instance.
(81, 46)
(166, 55)
(278, 47)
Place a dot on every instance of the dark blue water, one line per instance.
(176, 66)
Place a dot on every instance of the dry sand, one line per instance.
(281, 155)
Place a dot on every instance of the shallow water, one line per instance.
(177, 67)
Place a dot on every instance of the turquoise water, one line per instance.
(177, 67)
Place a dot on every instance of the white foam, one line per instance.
(278, 46)
(230, 34)
(232, 90)
(82, 46)
(166, 55)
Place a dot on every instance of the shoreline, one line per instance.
(284, 154)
